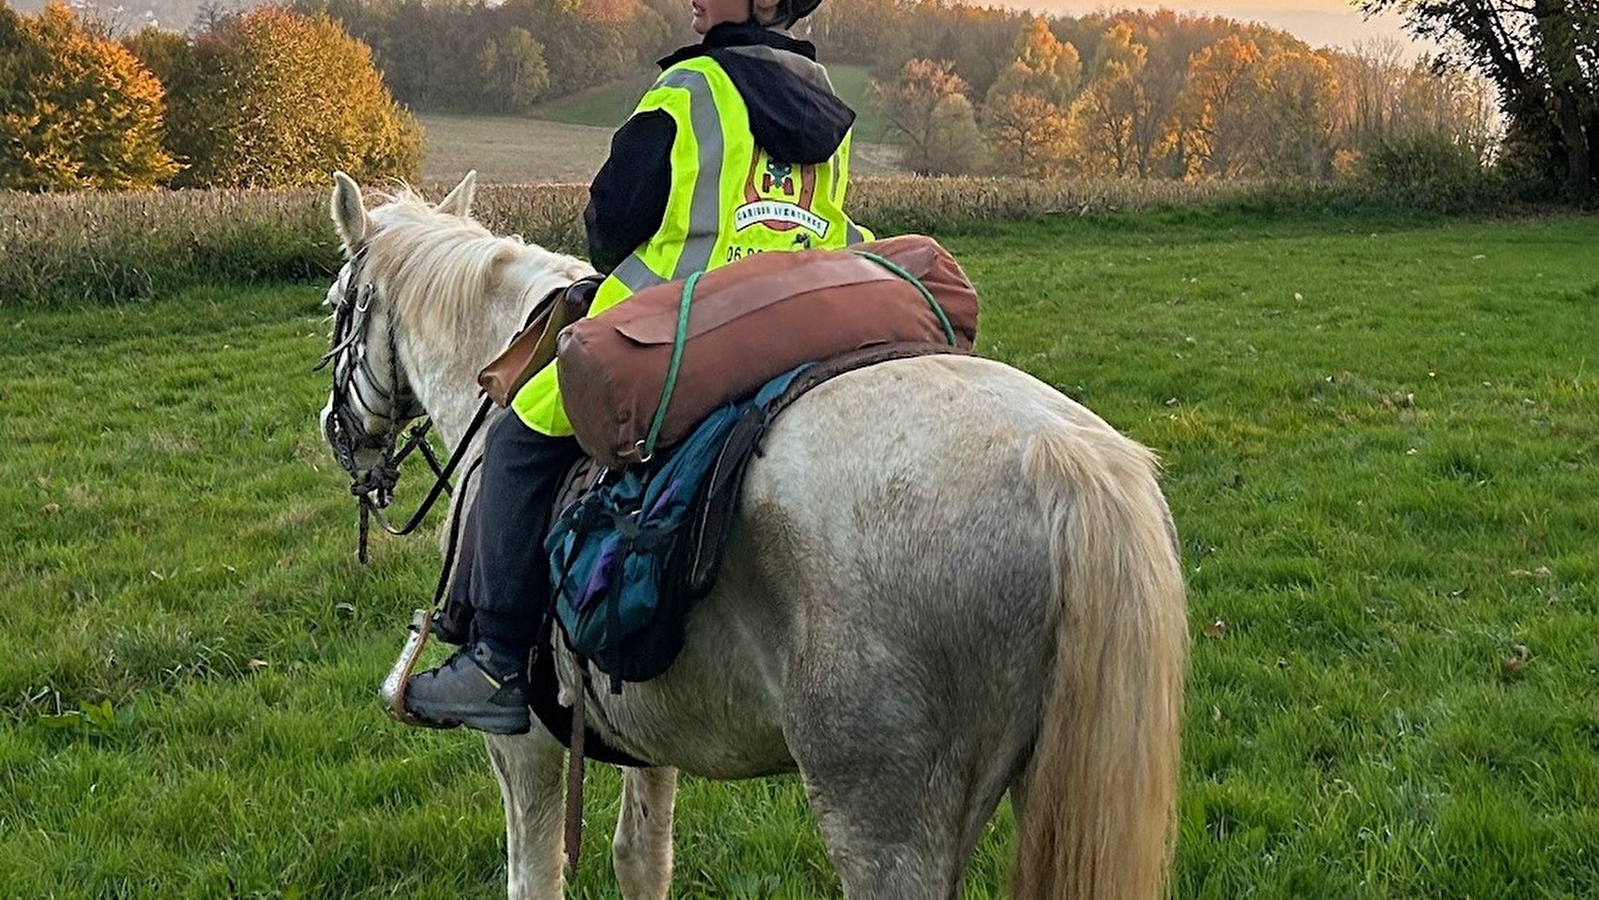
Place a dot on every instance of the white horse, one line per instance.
(947, 581)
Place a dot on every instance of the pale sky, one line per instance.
(1316, 22)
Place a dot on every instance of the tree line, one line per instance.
(259, 96)
(1158, 95)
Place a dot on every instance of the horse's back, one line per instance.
(893, 557)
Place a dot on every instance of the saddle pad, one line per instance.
(610, 550)
(629, 557)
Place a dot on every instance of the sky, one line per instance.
(1317, 22)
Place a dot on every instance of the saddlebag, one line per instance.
(742, 325)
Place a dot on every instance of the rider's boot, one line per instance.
(481, 686)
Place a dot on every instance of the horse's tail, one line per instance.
(1099, 798)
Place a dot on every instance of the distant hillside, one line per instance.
(510, 150)
(609, 104)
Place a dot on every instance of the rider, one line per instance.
(740, 147)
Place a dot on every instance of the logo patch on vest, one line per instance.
(778, 196)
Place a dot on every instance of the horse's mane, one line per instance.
(449, 261)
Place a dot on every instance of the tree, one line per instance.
(514, 71)
(76, 110)
(279, 99)
(1387, 98)
(1028, 134)
(1218, 113)
(1298, 97)
(927, 109)
(1543, 56)
(1044, 66)
(1104, 118)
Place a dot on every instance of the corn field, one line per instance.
(112, 248)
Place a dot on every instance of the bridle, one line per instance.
(347, 433)
(395, 404)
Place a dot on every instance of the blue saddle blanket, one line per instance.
(609, 550)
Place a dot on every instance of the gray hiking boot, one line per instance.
(477, 687)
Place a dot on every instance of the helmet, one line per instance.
(788, 12)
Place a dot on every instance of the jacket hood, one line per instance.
(794, 114)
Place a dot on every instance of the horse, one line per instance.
(947, 582)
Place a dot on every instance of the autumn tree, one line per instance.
(1218, 115)
(1543, 56)
(1027, 134)
(927, 111)
(1024, 114)
(76, 110)
(281, 99)
(1104, 117)
(1043, 66)
(1297, 99)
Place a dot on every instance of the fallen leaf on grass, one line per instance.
(1216, 629)
(1516, 661)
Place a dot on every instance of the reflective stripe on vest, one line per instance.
(728, 198)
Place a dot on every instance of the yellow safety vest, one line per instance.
(728, 199)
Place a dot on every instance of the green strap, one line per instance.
(897, 269)
(672, 367)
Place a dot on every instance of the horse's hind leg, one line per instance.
(641, 852)
(900, 806)
(528, 767)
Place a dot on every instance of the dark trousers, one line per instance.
(503, 564)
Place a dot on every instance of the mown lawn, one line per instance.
(1380, 436)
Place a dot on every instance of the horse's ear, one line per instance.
(349, 212)
(459, 201)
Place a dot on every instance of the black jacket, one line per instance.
(793, 118)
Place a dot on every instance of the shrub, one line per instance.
(1429, 170)
(276, 99)
(76, 111)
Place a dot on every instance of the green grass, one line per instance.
(607, 104)
(849, 81)
(1380, 436)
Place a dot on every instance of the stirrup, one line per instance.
(393, 689)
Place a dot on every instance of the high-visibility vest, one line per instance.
(728, 199)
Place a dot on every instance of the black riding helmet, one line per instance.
(788, 12)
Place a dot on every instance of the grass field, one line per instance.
(1380, 437)
(566, 140)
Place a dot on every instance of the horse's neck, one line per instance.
(443, 367)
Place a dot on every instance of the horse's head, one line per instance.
(372, 399)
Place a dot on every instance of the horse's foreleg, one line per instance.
(528, 767)
(642, 850)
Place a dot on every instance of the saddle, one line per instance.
(633, 547)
